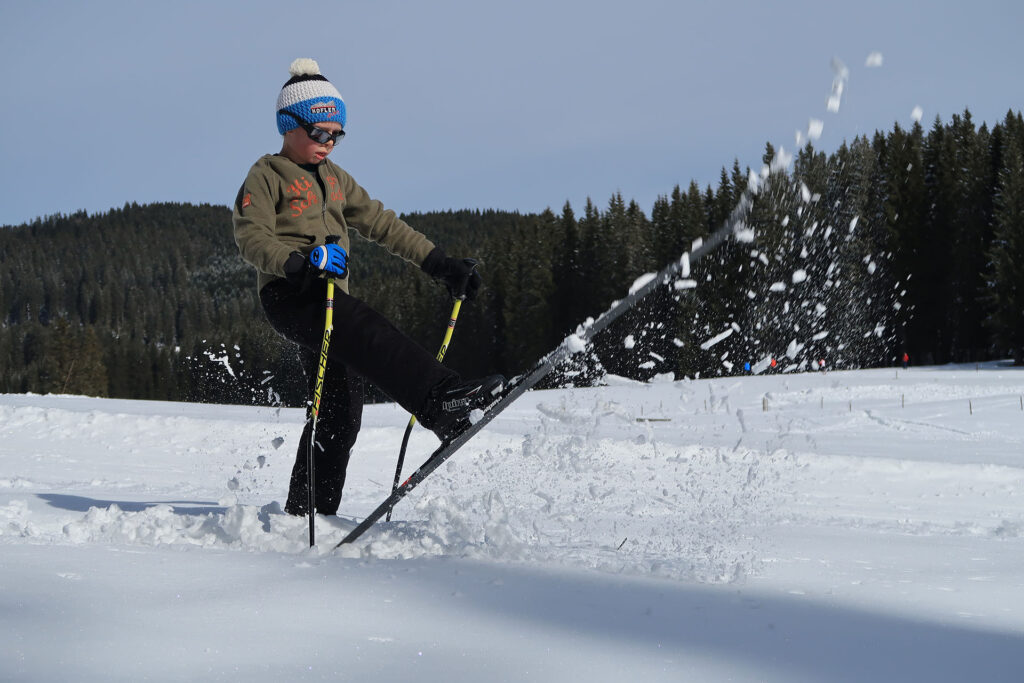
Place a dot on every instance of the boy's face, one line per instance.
(302, 149)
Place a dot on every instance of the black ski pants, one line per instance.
(364, 346)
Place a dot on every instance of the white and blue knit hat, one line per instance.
(309, 96)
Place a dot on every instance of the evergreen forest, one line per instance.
(908, 241)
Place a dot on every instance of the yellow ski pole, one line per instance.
(317, 392)
(456, 307)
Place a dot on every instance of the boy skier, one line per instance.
(291, 221)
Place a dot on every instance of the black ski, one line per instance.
(519, 385)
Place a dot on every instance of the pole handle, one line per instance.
(460, 293)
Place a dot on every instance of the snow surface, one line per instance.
(840, 526)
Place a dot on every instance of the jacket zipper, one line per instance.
(323, 200)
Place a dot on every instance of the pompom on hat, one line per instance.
(309, 96)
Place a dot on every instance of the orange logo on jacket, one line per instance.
(305, 197)
(335, 190)
(302, 189)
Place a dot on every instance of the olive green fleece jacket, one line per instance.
(283, 207)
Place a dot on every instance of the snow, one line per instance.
(815, 128)
(707, 344)
(916, 114)
(743, 233)
(839, 526)
(874, 59)
(841, 75)
(575, 343)
(684, 264)
(641, 281)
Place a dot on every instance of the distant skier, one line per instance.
(906, 360)
(289, 206)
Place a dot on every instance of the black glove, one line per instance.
(299, 271)
(459, 275)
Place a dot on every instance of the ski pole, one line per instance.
(456, 307)
(317, 391)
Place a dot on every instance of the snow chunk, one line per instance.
(684, 264)
(714, 340)
(778, 287)
(639, 283)
(629, 342)
(743, 233)
(916, 114)
(753, 181)
(841, 75)
(575, 344)
(781, 160)
(221, 359)
(680, 285)
(874, 60)
(799, 276)
(793, 349)
(814, 129)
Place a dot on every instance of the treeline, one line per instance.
(903, 242)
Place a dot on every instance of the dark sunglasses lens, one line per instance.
(324, 136)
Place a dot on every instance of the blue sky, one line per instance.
(472, 104)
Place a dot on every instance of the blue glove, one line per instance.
(331, 259)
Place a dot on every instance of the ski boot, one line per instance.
(450, 404)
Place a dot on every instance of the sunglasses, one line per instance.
(315, 134)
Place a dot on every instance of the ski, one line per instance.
(570, 346)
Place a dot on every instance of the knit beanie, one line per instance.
(310, 96)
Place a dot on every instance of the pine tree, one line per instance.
(1005, 291)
